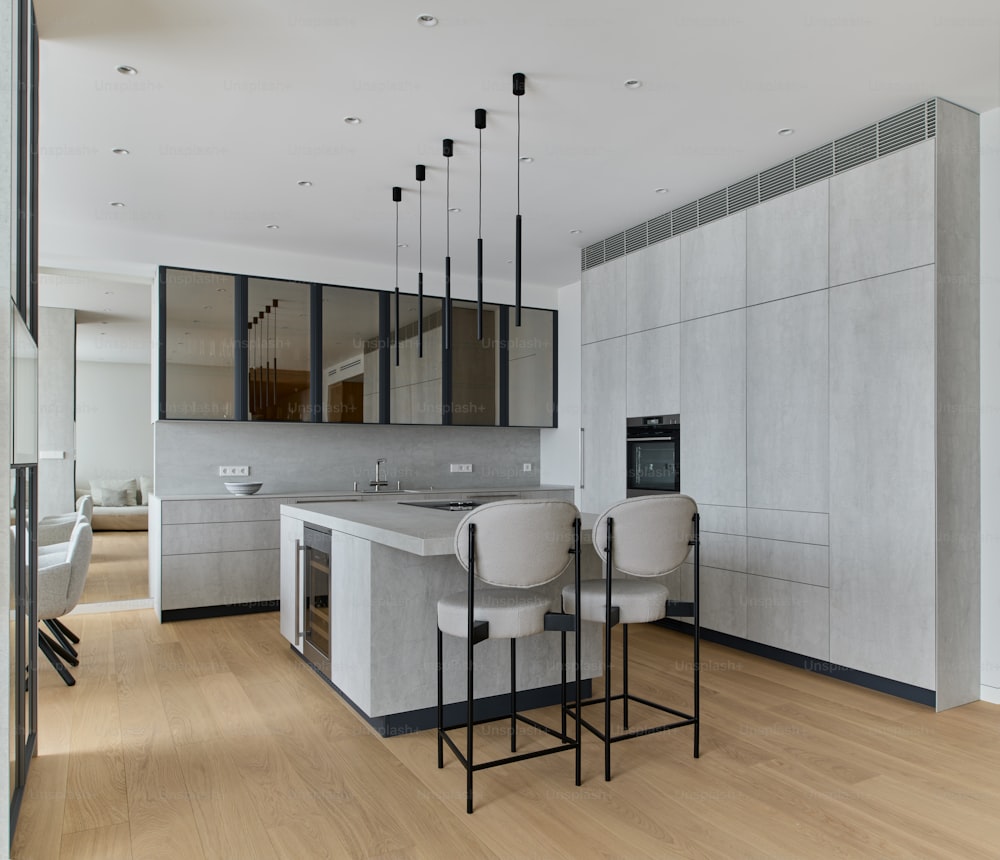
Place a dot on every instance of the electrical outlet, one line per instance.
(461, 467)
(526, 467)
(233, 471)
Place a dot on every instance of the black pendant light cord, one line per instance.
(480, 124)
(518, 91)
(421, 172)
(397, 195)
(447, 147)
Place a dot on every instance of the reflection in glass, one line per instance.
(199, 345)
(24, 405)
(530, 360)
(278, 350)
(350, 355)
(416, 386)
(475, 366)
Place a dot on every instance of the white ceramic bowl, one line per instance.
(243, 488)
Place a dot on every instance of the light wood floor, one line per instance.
(119, 567)
(211, 739)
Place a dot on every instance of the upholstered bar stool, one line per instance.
(508, 548)
(60, 585)
(645, 537)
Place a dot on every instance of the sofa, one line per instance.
(119, 504)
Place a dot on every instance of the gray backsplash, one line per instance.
(330, 458)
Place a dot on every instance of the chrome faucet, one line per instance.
(379, 480)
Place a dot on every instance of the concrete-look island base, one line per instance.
(389, 564)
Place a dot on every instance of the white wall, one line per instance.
(56, 388)
(560, 447)
(989, 304)
(114, 436)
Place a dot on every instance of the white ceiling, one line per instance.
(237, 100)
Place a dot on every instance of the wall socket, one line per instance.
(461, 467)
(526, 467)
(233, 471)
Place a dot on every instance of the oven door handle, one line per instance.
(649, 439)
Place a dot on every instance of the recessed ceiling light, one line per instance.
(304, 183)
(127, 70)
(785, 132)
(633, 84)
(273, 226)
(427, 20)
(454, 209)
(575, 232)
(526, 159)
(119, 151)
(116, 203)
(220, 289)
(402, 245)
(352, 120)
(661, 190)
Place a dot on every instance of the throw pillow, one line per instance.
(145, 489)
(106, 492)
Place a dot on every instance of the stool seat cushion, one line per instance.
(638, 601)
(511, 612)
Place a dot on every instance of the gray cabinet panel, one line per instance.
(882, 480)
(292, 587)
(653, 371)
(882, 216)
(653, 286)
(603, 398)
(723, 599)
(714, 267)
(808, 563)
(788, 244)
(800, 526)
(789, 615)
(220, 578)
(723, 520)
(727, 552)
(713, 409)
(787, 404)
(603, 301)
(219, 537)
(220, 510)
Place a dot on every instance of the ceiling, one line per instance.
(236, 101)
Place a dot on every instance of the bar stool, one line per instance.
(645, 537)
(510, 546)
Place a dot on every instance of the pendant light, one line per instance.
(397, 196)
(480, 124)
(518, 91)
(421, 175)
(447, 148)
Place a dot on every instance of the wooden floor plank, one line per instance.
(103, 843)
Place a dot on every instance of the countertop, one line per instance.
(420, 531)
(346, 495)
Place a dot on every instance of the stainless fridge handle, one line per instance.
(299, 552)
(582, 458)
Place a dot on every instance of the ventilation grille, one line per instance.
(894, 133)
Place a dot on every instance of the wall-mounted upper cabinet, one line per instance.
(653, 286)
(603, 301)
(714, 267)
(788, 247)
(882, 216)
(240, 348)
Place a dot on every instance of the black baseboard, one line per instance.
(490, 707)
(196, 612)
(821, 667)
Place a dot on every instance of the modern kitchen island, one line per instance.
(389, 563)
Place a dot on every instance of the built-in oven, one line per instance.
(316, 611)
(653, 455)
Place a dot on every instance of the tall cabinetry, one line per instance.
(826, 373)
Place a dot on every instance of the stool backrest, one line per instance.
(651, 534)
(85, 506)
(520, 543)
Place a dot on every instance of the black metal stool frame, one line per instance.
(674, 608)
(478, 632)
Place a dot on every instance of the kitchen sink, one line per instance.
(445, 504)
